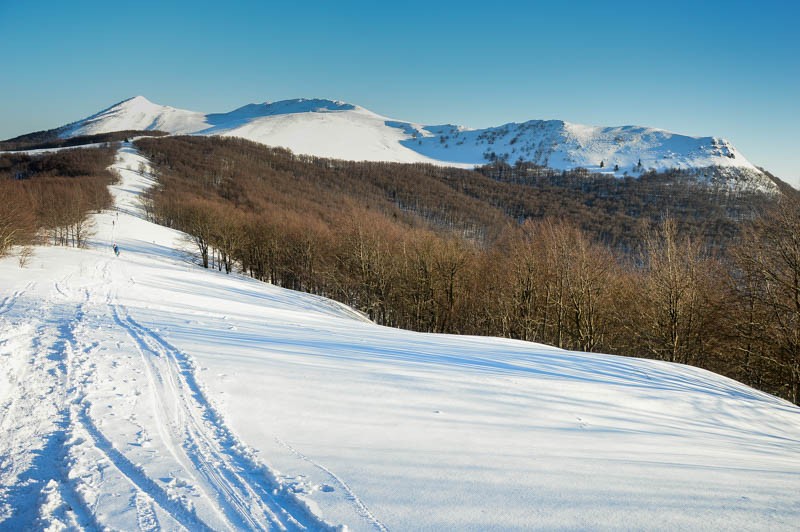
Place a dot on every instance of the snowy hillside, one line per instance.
(143, 392)
(340, 130)
(138, 114)
(562, 145)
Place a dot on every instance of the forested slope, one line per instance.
(659, 267)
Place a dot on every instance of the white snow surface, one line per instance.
(144, 392)
(138, 113)
(335, 129)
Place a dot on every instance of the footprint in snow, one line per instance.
(175, 482)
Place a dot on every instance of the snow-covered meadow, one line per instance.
(144, 392)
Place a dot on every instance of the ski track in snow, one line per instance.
(62, 444)
(247, 500)
(58, 453)
(147, 488)
(49, 393)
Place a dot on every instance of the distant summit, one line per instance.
(137, 113)
(337, 129)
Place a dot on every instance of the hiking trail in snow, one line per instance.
(104, 423)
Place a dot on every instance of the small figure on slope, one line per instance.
(116, 249)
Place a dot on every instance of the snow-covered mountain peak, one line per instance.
(136, 101)
(138, 113)
(337, 129)
(132, 106)
(135, 105)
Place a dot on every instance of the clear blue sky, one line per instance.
(729, 69)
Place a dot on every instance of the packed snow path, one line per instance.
(143, 392)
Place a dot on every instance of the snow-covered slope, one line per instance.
(563, 145)
(323, 128)
(328, 128)
(138, 113)
(144, 392)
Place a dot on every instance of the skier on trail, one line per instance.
(116, 249)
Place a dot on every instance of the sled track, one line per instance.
(244, 490)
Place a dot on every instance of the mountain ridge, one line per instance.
(341, 130)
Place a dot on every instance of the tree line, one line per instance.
(51, 138)
(48, 197)
(445, 250)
